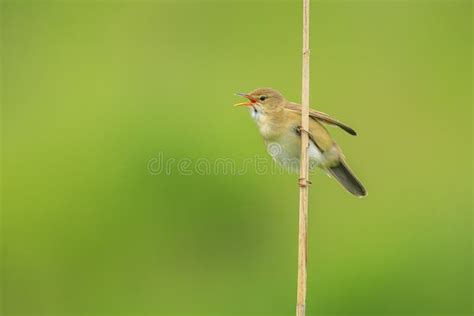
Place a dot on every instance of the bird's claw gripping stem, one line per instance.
(303, 182)
(300, 129)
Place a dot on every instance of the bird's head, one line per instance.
(266, 99)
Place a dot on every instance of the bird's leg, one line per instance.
(303, 182)
(300, 129)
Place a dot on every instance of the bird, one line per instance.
(279, 123)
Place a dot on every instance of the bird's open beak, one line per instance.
(248, 103)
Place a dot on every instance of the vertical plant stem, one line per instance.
(304, 170)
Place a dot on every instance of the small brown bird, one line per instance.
(279, 122)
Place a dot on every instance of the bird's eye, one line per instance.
(262, 98)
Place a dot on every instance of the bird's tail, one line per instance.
(344, 175)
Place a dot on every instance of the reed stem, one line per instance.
(304, 170)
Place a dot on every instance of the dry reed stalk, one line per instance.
(304, 170)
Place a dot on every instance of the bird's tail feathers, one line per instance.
(347, 179)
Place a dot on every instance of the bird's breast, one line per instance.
(268, 128)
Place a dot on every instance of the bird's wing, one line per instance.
(320, 136)
(320, 116)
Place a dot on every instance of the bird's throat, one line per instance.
(255, 113)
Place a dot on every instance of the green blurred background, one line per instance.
(92, 90)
